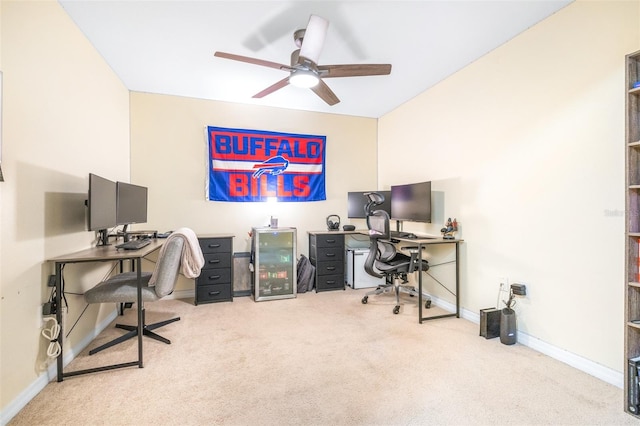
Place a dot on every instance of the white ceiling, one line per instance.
(167, 47)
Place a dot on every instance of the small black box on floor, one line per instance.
(490, 323)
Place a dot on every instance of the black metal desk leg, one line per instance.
(59, 318)
(420, 283)
(140, 316)
(458, 280)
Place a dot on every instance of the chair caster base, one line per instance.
(427, 304)
(396, 309)
(365, 300)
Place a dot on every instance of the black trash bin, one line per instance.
(508, 331)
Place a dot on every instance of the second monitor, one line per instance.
(356, 202)
(131, 204)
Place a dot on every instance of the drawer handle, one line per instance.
(214, 277)
(213, 245)
(214, 261)
(214, 293)
(331, 241)
(331, 254)
(331, 282)
(331, 268)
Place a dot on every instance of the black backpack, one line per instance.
(306, 274)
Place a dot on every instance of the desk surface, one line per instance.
(106, 253)
(428, 240)
(420, 240)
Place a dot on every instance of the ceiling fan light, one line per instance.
(303, 78)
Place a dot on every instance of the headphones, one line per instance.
(333, 222)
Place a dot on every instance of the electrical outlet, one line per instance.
(51, 282)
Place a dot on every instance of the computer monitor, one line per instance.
(411, 202)
(101, 205)
(356, 202)
(131, 203)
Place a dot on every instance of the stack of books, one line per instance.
(634, 393)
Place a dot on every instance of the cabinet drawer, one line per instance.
(329, 253)
(328, 240)
(330, 282)
(213, 293)
(214, 276)
(217, 260)
(215, 245)
(330, 268)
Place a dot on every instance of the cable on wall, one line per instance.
(51, 333)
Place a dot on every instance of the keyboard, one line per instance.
(401, 234)
(134, 244)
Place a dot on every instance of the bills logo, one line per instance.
(254, 165)
(274, 166)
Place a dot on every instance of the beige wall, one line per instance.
(525, 147)
(169, 155)
(65, 114)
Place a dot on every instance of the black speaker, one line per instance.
(490, 323)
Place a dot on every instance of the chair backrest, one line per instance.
(166, 272)
(378, 224)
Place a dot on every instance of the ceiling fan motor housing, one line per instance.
(298, 36)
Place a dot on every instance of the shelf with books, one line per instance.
(632, 240)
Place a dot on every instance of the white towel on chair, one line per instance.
(192, 258)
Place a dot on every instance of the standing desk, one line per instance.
(101, 254)
(421, 243)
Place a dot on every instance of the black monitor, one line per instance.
(102, 207)
(411, 202)
(131, 203)
(356, 202)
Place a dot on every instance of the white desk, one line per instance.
(100, 254)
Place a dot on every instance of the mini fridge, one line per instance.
(273, 263)
(356, 276)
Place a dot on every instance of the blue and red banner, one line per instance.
(256, 165)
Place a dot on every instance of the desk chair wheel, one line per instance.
(427, 304)
(365, 300)
(396, 309)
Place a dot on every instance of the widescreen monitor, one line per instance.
(356, 202)
(101, 205)
(411, 202)
(131, 203)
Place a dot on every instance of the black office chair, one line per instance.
(384, 260)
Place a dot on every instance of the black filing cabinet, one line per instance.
(326, 253)
(215, 283)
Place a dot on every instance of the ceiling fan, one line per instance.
(304, 70)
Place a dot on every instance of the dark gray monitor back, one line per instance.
(131, 203)
(101, 203)
(356, 202)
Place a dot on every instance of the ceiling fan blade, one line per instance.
(353, 70)
(252, 61)
(327, 95)
(279, 85)
(314, 37)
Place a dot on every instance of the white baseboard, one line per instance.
(606, 374)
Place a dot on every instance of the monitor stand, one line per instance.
(103, 238)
